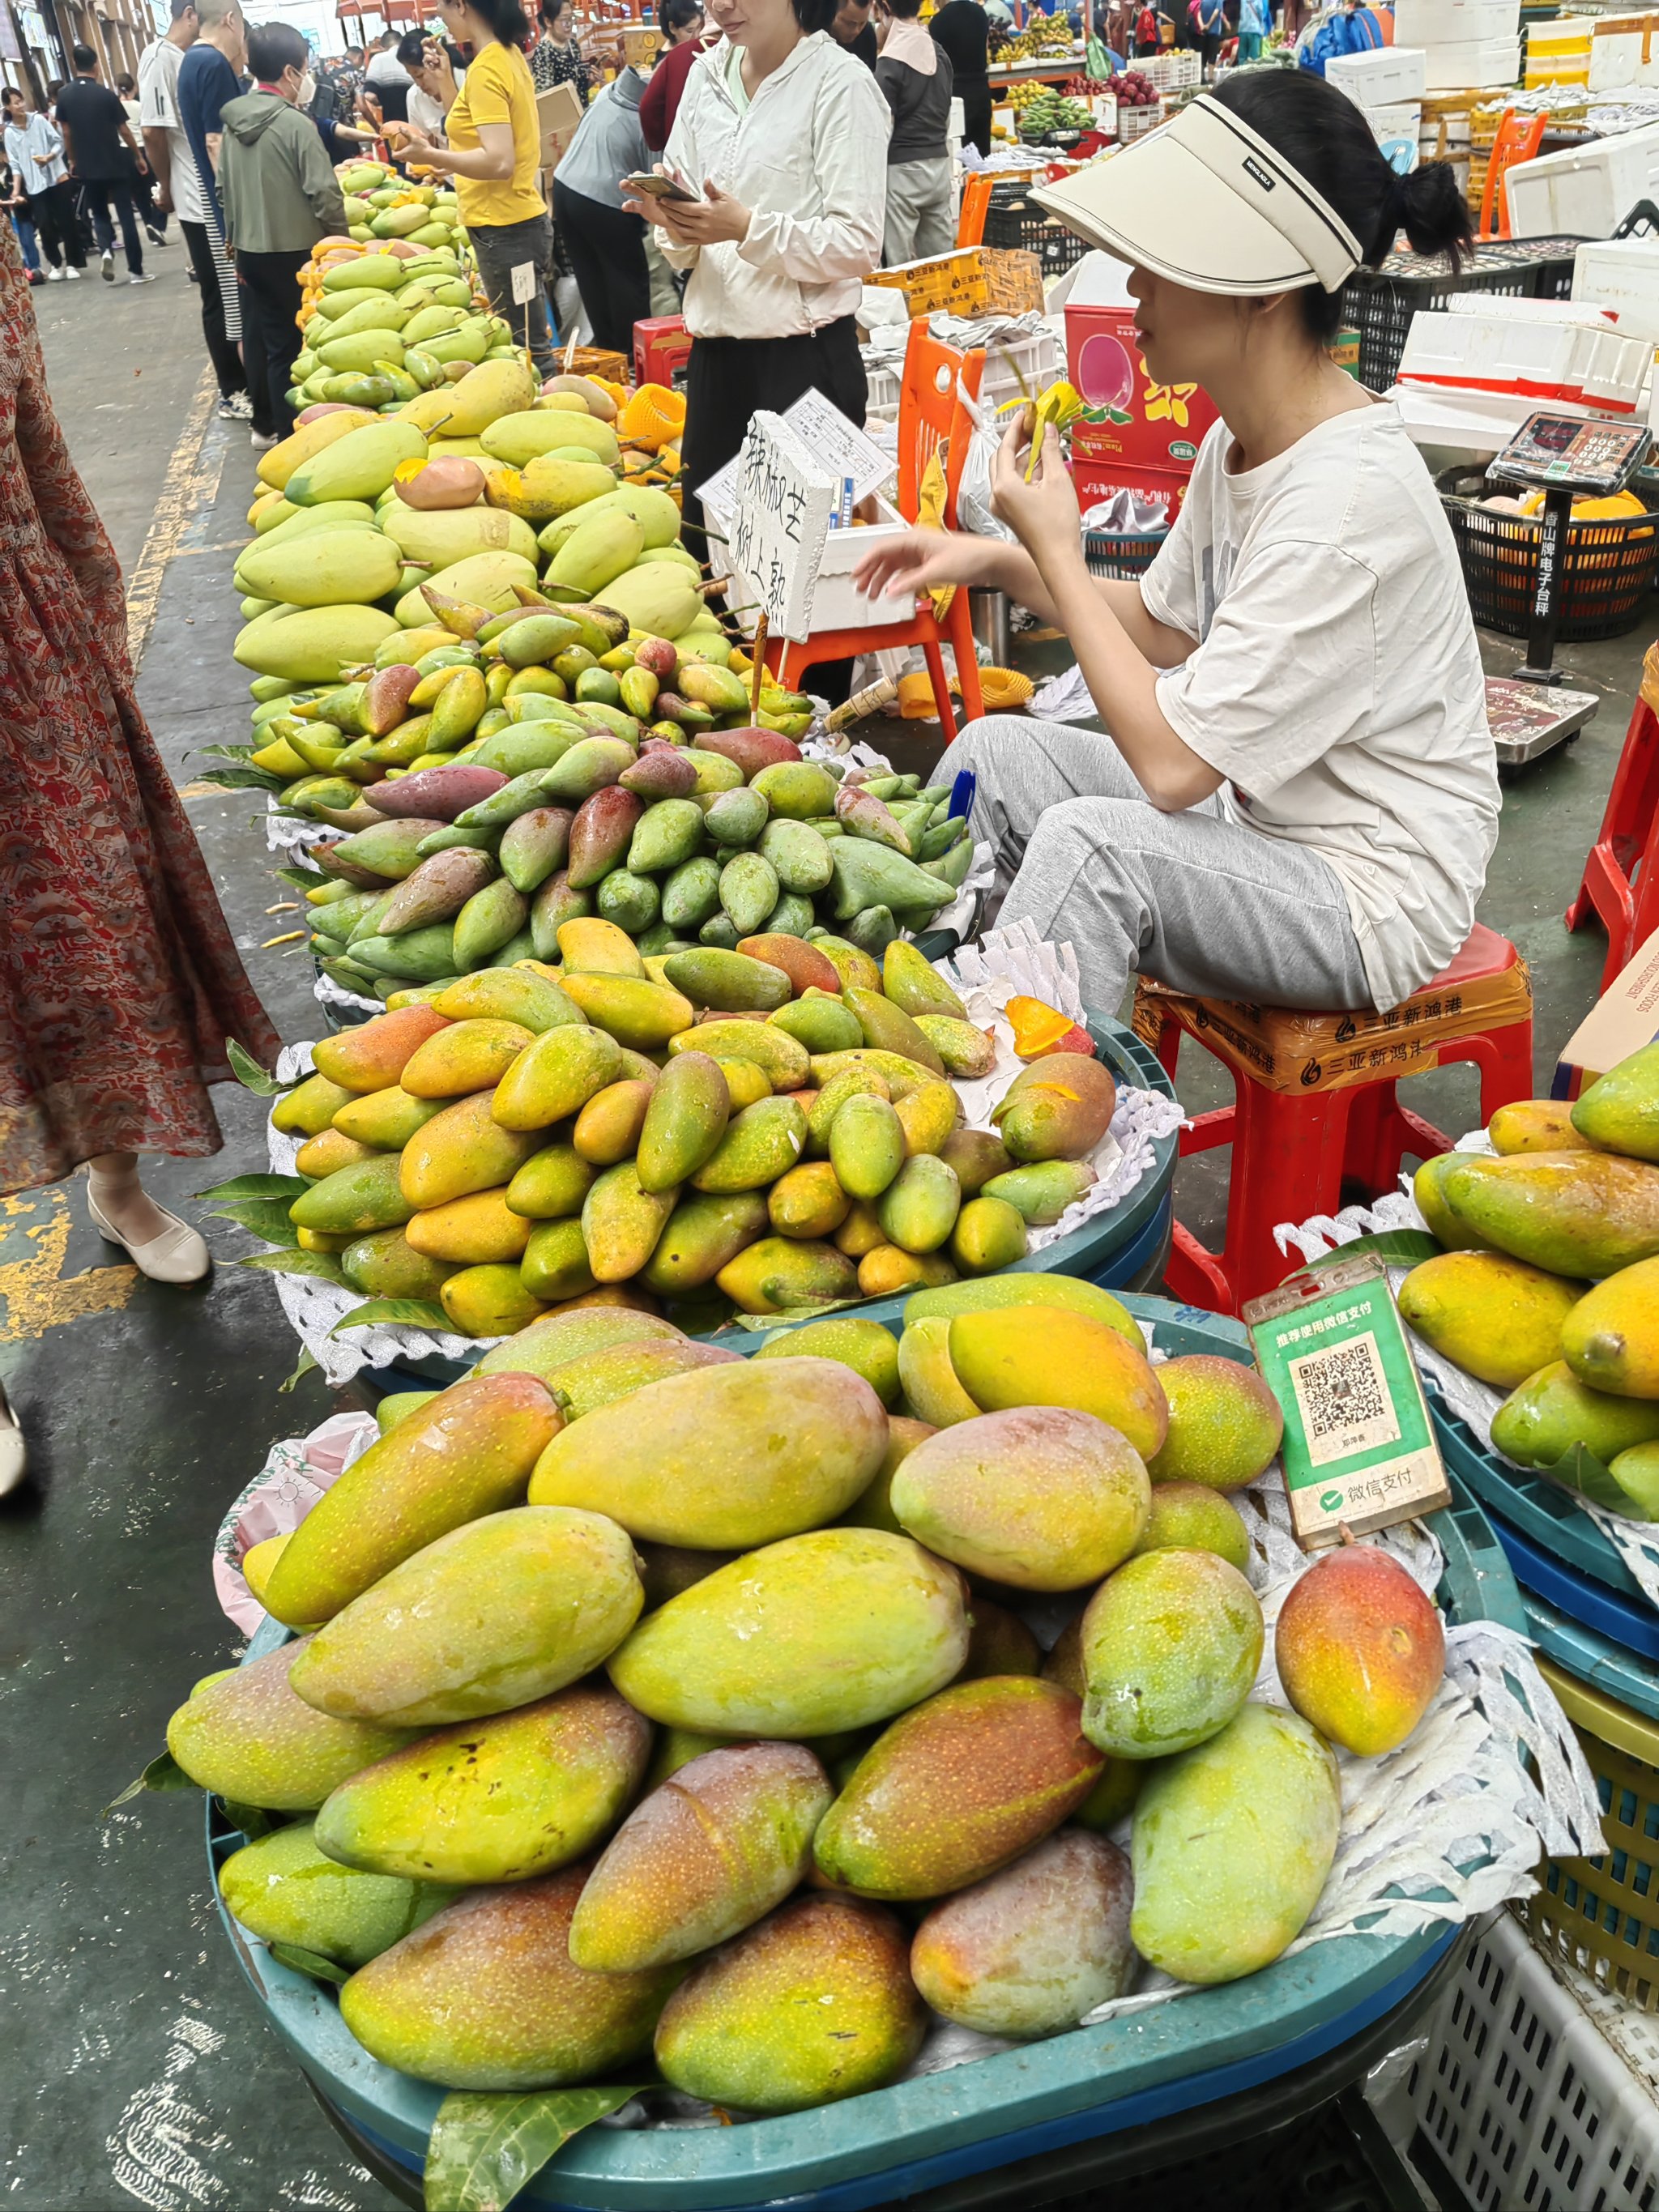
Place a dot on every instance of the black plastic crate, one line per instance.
(1381, 302)
(1013, 219)
(1608, 570)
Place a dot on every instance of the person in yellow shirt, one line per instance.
(494, 155)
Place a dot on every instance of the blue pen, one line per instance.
(962, 794)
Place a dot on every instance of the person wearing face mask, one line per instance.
(280, 197)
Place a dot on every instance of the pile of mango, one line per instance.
(380, 323)
(768, 1127)
(379, 203)
(1548, 1287)
(648, 1699)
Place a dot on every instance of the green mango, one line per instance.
(703, 1234)
(284, 1889)
(760, 1144)
(692, 894)
(685, 1122)
(666, 836)
(749, 891)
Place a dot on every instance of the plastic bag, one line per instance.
(974, 492)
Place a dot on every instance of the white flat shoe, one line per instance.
(13, 1452)
(178, 1255)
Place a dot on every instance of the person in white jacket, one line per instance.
(784, 135)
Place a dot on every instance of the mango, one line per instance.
(556, 1076)
(707, 1854)
(604, 1377)
(866, 1145)
(1621, 1111)
(432, 1642)
(471, 1054)
(758, 1145)
(1608, 1336)
(1041, 1500)
(1040, 1193)
(886, 1271)
(556, 1266)
(658, 598)
(397, 1406)
(1224, 1425)
(1359, 1649)
(284, 1890)
(1031, 1949)
(607, 1128)
(703, 1234)
(444, 536)
(966, 1051)
(520, 437)
(1540, 1423)
(322, 568)
(354, 1200)
(1536, 1124)
(915, 985)
(1428, 1192)
(1059, 1108)
(463, 1149)
(534, 1001)
(1006, 1756)
(685, 1119)
(1189, 1516)
(780, 1274)
(1054, 1356)
(385, 1119)
(821, 1024)
(486, 580)
(799, 1439)
(864, 1345)
(360, 465)
(1495, 1317)
(732, 983)
(1233, 1841)
(1116, 1792)
(787, 1063)
(814, 2004)
(385, 1265)
(998, 1643)
(918, 1209)
(989, 1235)
(640, 1014)
(827, 1631)
(480, 1229)
(276, 466)
(872, 1508)
(1171, 1646)
(931, 1388)
(489, 1298)
(808, 1201)
(469, 1453)
(485, 1996)
(1570, 1213)
(244, 1735)
(311, 1106)
(1636, 1473)
(327, 1154)
(622, 1222)
(927, 1116)
(369, 1058)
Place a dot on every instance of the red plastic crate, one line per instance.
(660, 348)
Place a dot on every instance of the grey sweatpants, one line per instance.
(1202, 903)
(919, 220)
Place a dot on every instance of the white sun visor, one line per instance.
(1207, 202)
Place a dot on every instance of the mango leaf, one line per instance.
(253, 1820)
(1395, 1248)
(303, 879)
(244, 779)
(1587, 1476)
(222, 752)
(787, 1315)
(257, 1186)
(310, 1962)
(485, 2146)
(263, 1217)
(251, 1077)
(162, 1773)
(291, 1261)
(307, 1362)
(414, 1313)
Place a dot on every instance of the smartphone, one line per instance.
(661, 188)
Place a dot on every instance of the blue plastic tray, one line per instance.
(1589, 1658)
(922, 2134)
(1631, 1624)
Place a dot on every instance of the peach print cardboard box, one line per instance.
(1149, 425)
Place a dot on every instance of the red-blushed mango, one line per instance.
(1027, 1290)
(998, 1643)
(976, 1156)
(723, 1458)
(1171, 1646)
(1119, 1785)
(701, 1235)
(506, 1609)
(822, 1632)
(1225, 1422)
(327, 1153)
(1359, 1649)
(864, 1345)
(602, 1378)
(485, 1996)
(1536, 1124)
(607, 1130)
(474, 1231)
(1233, 1841)
(1030, 1950)
(814, 2004)
(491, 1299)
(1189, 1516)
(469, 1453)
(244, 1735)
(500, 1799)
(557, 1338)
(803, 964)
(958, 1788)
(1041, 1498)
(461, 1150)
(704, 1856)
(467, 1056)
(1050, 1356)
(931, 1387)
(284, 1889)
(376, 1054)
(556, 1076)
(1057, 1109)
(874, 1508)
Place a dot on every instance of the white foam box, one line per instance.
(1584, 191)
(1622, 275)
(1487, 345)
(1382, 78)
(1455, 22)
(1398, 131)
(837, 604)
(1624, 53)
(1473, 64)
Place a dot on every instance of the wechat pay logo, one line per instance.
(1331, 1501)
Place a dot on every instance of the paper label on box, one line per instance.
(785, 501)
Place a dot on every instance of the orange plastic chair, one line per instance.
(1518, 140)
(975, 200)
(931, 412)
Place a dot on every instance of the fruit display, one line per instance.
(1546, 1288)
(1131, 89)
(767, 1126)
(644, 1702)
(1051, 114)
(1042, 38)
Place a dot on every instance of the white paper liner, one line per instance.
(1009, 963)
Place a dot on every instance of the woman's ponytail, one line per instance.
(1433, 214)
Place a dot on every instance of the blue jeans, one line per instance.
(25, 230)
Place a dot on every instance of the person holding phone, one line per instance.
(783, 133)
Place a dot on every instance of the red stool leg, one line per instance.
(1504, 1058)
(1194, 1276)
(1630, 808)
(1287, 1165)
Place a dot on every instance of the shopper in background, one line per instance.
(432, 82)
(915, 72)
(280, 197)
(1148, 38)
(103, 156)
(961, 29)
(151, 213)
(558, 57)
(35, 152)
(681, 26)
(385, 80)
(852, 29)
(1255, 25)
(606, 245)
(1211, 17)
(13, 199)
(208, 75)
(494, 155)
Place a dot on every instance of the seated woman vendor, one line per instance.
(1298, 796)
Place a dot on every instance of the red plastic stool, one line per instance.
(1292, 1148)
(1621, 875)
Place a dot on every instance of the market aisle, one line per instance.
(142, 2072)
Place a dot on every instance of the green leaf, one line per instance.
(251, 1077)
(485, 2146)
(222, 753)
(263, 1217)
(307, 1361)
(310, 1962)
(162, 1773)
(257, 1186)
(787, 1316)
(253, 1820)
(243, 779)
(418, 1313)
(1588, 1477)
(1395, 1248)
(303, 879)
(291, 1261)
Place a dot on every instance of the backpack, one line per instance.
(1343, 32)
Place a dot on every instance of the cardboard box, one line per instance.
(975, 280)
(1383, 78)
(641, 44)
(1153, 426)
(558, 111)
(662, 347)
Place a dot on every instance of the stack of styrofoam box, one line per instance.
(1471, 375)
(1583, 191)
(1624, 52)
(1467, 44)
(1621, 275)
(1559, 51)
(1387, 85)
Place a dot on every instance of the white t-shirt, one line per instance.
(1337, 683)
(158, 110)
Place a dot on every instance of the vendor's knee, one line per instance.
(1098, 832)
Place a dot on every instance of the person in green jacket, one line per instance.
(280, 197)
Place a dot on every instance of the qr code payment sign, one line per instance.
(1343, 1397)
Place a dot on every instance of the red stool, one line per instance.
(1341, 1117)
(1621, 875)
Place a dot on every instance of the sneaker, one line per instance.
(145, 276)
(262, 444)
(74, 274)
(156, 237)
(106, 263)
(236, 407)
(36, 277)
(57, 276)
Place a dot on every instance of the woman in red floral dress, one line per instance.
(119, 982)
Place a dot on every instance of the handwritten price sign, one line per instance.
(785, 503)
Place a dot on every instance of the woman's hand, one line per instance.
(902, 568)
(713, 220)
(1043, 512)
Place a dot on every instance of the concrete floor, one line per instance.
(139, 2071)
